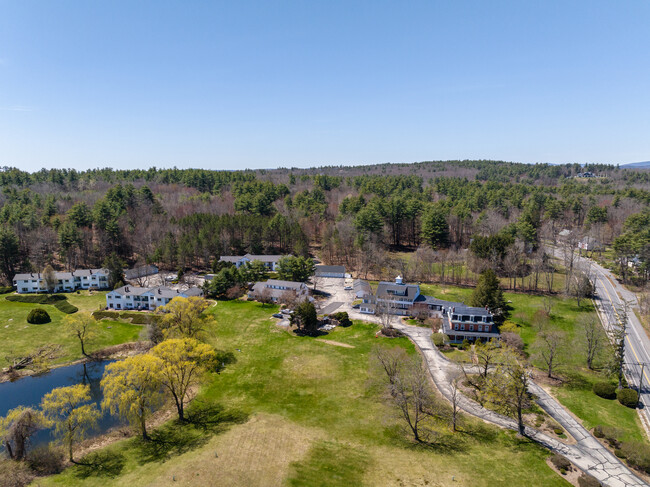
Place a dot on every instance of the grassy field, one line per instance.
(301, 411)
(19, 337)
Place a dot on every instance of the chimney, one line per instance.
(398, 280)
(159, 291)
(91, 272)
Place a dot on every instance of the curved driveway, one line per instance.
(588, 453)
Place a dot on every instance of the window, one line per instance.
(462, 327)
(471, 327)
(25, 290)
(456, 327)
(480, 327)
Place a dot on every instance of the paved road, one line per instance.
(588, 454)
(610, 299)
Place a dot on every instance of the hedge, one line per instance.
(606, 390)
(6, 289)
(38, 316)
(37, 298)
(628, 397)
(66, 307)
(139, 318)
(98, 315)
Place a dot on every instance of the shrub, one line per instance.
(606, 390)
(14, 474)
(38, 316)
(391, 332)
(6, 289)
(46, 460)
(439, 339)
(558, 431)
(560, 462)
(628, 397)
(637, 455)
(513, 340)
(619, 453)
(66, 307)
(465, 345)
(342, 317)
(98, 315)
(587, 481)
(609, 433)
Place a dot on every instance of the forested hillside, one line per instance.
(451, 218)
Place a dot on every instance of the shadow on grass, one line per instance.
(178, 437)
(100, 464)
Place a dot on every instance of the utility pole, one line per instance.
(641, 378)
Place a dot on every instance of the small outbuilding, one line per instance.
(330, 271)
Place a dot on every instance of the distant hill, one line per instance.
(636, 165)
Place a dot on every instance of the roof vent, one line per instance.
(399, 280)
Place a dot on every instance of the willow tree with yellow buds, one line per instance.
(132, 389)
(184, 362)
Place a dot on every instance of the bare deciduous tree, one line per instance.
(591, 338)
(549, 347)
(409, 390)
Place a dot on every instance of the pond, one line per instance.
(29, 391)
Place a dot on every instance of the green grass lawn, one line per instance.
(19, 337)
(305, 412)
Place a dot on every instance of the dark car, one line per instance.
(278, 315)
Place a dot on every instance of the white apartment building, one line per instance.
(34, 282)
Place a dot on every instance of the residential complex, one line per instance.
(34, 282)
(146, 298)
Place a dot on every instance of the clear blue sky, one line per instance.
(235, 84)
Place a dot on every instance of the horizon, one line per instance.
(285, 84)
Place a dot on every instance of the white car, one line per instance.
(347, 288)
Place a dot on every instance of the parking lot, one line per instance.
(337, 298)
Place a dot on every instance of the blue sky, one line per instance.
(230, 85)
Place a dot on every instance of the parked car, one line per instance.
(286, 311)
(347, 288)
(356, 306)
(278, 315)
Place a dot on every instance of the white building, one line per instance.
(330, 271)
(276, 289)
(146, 298)
(270, 261)
(34, 282)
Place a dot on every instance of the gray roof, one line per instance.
(339, 269)
(288, 284)
(60, 274)
(132, 290)
(261, 258)
(462, 309)
(361, 287)
(193, 291)
(160, 291)
(27, 276)
(89, 272)
(409, 291)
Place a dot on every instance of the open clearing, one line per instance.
(315, 417)
(19, 337)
